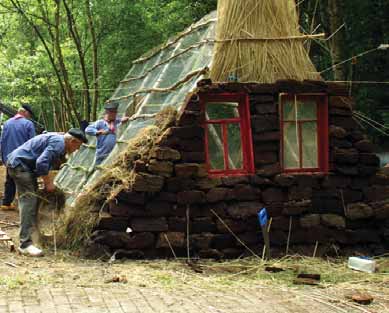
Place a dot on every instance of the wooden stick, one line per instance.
(315, 250)
(187, 232)
(54, 233)
(175, 40)
(289, 233)
(236, 237)
(270, 222)
(9, 224)
(321, 35)
(266, 241)
(170, 246)
(161, 90)
(203, 42)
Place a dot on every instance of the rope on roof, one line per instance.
(162, 90)
(175, 40)
(206, 41)
(77, 167)
(302, 37)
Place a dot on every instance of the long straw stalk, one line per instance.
(259, 41)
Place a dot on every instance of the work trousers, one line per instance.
(9, 190)
(27, 187)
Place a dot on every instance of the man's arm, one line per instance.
(3, 142)
(95, 129)
(52, 152)
(30, 130)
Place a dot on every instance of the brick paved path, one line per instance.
(121, 299)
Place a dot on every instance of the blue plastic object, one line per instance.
(263, 217)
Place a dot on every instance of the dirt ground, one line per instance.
(66, 283)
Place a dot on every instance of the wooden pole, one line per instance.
(187, 232)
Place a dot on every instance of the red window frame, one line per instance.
(322, 132)
(245, 132)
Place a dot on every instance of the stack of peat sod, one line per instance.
(342, 209)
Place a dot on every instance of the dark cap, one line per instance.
(78, 133)
(28, 108)
(111, 106)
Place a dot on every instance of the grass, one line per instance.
(67, 269)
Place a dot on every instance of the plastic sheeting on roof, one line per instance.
(162, 78)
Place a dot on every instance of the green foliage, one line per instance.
(127, 29)
(124, 29)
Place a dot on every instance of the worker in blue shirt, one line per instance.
(31, 160)
(16, 131)
(105, 131)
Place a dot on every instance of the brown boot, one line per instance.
(10, 207)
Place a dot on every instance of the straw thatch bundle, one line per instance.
(259, 41)
(79, 221)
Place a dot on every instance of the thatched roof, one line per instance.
(165, 76)
(260, 41)
(161, 78)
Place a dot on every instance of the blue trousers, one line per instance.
(9, 190)
(27, 187)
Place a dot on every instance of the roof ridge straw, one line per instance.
(259, 41)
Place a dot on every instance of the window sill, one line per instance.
(220, 175)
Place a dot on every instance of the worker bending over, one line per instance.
(31, 160)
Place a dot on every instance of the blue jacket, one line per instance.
(16, 131)
(38, 154)
(105, 143)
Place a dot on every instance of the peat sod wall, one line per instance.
(343, 211)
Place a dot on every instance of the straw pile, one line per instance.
(79, 221)
(259, 41)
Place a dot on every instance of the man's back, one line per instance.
(16, 131)
(38, 153)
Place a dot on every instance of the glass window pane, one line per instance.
(309, 145)
(291, 146)
(222, 110)
(307, 110)
(215, 147)
(289, 110)
(235, 151)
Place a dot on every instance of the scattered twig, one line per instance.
(8, 224)
(11, 264)
(187, 232)
(315, 250)
(236, 237)
(289, 233)
(170, 246)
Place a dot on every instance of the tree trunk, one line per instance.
(19, 9)
(94, 60)
(69, 95)
(77, 41)
(337, 41)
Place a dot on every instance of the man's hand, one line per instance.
(50, 187)
(102, 132)
(48, 183)
(124, 119)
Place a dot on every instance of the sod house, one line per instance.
(228, 119)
